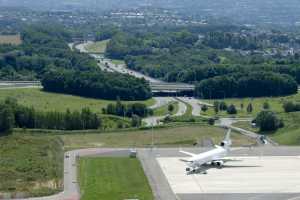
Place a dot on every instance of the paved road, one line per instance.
(82, 47)
(196, 107)
(113, 67)
(162, 101)
(227, 122)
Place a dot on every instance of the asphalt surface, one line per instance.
(196, 107)
(262, 152)
(162, 101)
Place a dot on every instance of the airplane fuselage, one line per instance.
(208, 157)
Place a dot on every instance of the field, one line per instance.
(113, 179)
(46, 101)
(257, 103)
(162, 137)
(10, 39)
(118, 62)
(97, 47)
(31, 165)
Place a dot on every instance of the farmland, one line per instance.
(10, 39)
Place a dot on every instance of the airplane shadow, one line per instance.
(204, 169)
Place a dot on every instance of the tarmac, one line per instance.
(270, 173)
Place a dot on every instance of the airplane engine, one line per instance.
(218, 163)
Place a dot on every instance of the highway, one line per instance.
(19, 84)
(155, 84)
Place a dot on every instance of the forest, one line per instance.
(44, 55)
(200, 57)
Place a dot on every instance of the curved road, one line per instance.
(162, 101)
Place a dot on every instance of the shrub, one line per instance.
(204, 108)
(211, 121)
(231, 110)
(268, 121)
(291, 106)
(249, 108)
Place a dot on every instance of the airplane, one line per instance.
(214, 157)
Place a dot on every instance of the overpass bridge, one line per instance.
(175, 88)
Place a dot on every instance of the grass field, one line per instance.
(274, 102)
(163, 137)
(118, 62)
(30, 164)
(163, 110)
(113, 179)
(288, 135)
(46, 101)
(97, 47)
(10, 39)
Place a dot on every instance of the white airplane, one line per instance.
(214, 157)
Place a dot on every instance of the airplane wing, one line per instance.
(228, 160)
(188, 153)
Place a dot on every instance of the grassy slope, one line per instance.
(289, 135)
(112, 179)
(163, 137)
(47, 101)
(275, 103)
(30, 164)
(163, 110)
(97, 47)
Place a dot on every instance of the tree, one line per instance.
(291, 106)
(231, 110)
(211, 121)
(216, 107)
(249, 108)
(136, 121)
(171, 108)
(223, 105)
(204, 108)
(268, 121)
(266, 105)
(7, 118)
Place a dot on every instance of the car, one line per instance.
(263, 139)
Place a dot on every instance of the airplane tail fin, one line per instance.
(226, 143)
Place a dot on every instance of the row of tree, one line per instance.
(96, 84)
(14, 115)
(256, 84)
(127, 110)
